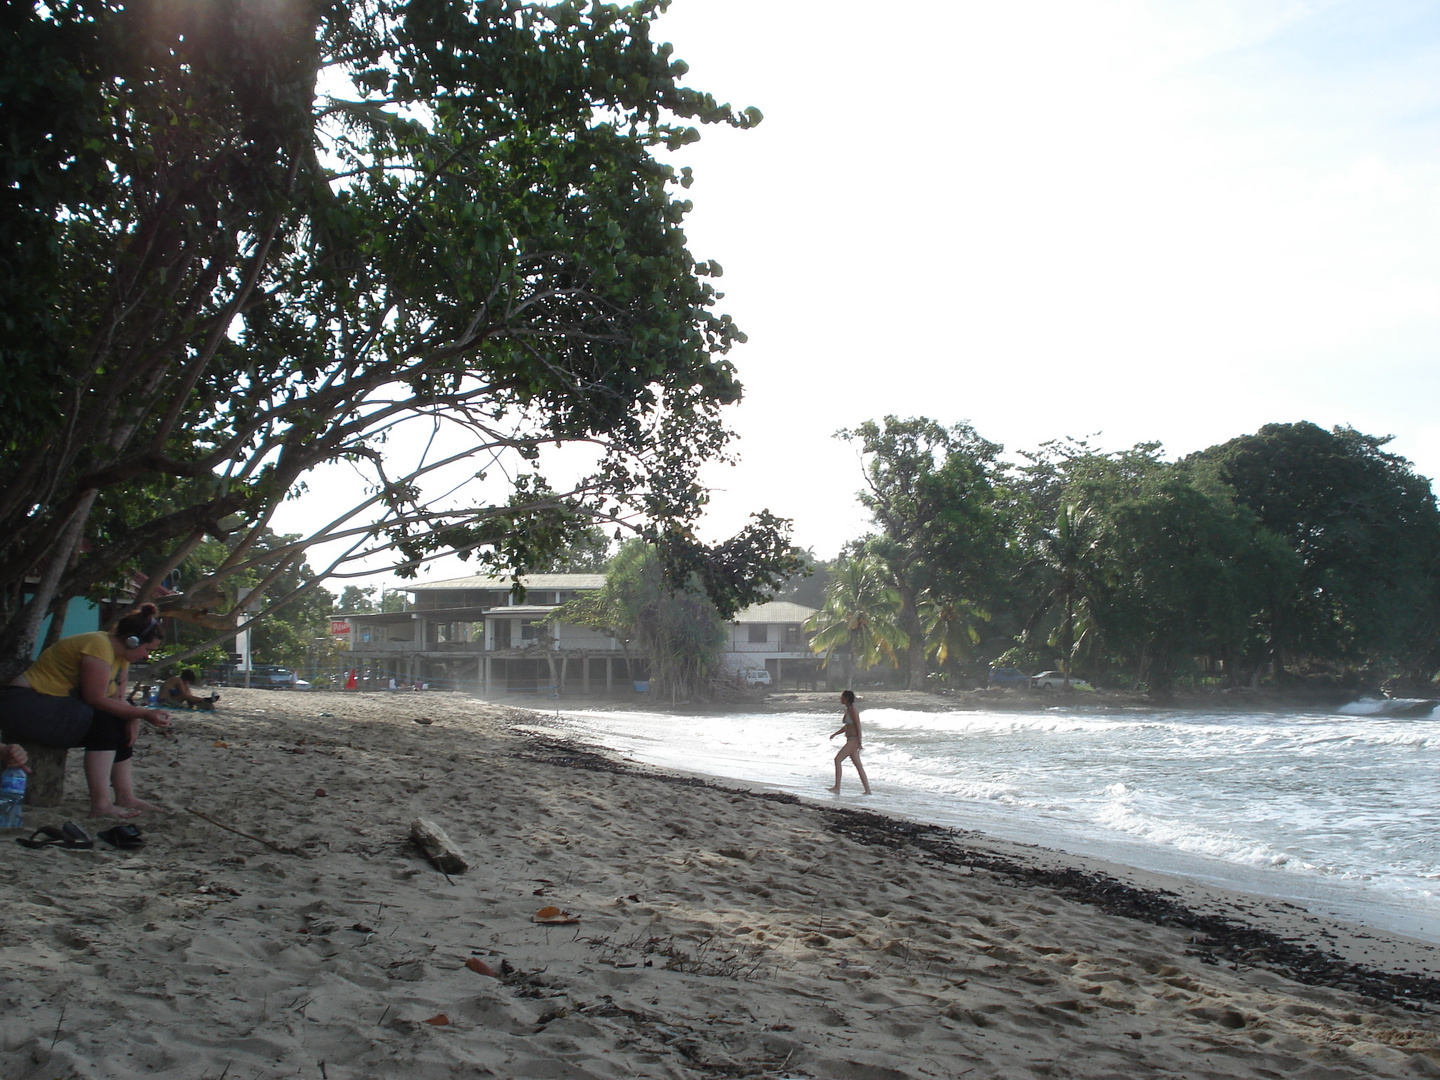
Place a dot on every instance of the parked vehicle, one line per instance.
(1055, 680)
(1008, 676)
(266, 677)
(755, 677)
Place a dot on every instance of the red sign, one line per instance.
(339, 626)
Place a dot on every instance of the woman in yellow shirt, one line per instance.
(74, 695)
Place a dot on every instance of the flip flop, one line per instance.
(76, 838)
(52, 836)
(126, 837)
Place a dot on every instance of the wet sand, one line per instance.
(720, 932)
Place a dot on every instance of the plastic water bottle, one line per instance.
(12, 797)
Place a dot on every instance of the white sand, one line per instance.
(721, 934)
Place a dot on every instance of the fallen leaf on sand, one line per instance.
(439, 1020)
(480, 967)
(221, 745)
(423, 720)
(555, 917)
(321, 792)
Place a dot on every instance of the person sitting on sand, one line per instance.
(850, 728)
(74, 695)
(176, 690)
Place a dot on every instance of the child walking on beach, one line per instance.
(850, 728)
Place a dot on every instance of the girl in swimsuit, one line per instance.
(850, 728)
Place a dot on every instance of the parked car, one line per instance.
(266, 677)
(1055, 680)
(1008, 676)
(755, 677)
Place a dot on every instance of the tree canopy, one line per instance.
(1294, 549)
(238, 241)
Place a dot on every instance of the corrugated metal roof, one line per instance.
(534, 581)
(776, 611)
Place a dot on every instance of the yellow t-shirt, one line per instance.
(57, 670)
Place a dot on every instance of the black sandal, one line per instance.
(52, 836)
(69, 836)
(126, 837)
(76, 838)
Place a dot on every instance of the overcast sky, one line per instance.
(1174, 221)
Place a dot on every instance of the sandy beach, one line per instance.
(280, 923)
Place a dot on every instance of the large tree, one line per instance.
(1365, 530)
(240, 240)
(678, 627)
(931, 492)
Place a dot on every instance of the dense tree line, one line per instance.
(1294, 551)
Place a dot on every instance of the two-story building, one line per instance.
(772, 636)
(474, 633)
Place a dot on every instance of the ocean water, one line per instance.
(1340, 814)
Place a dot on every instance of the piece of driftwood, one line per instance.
(45, 786)
(438, 847)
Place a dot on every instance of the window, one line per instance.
(759, 632)
(792, 634)
(502, 633)
(529, 631)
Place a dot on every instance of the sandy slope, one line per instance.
(721, 933)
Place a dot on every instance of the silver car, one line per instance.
(1055, 680)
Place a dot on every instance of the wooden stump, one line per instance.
(45, 786)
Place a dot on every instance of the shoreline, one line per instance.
(1321, 950)
(722, 932)
(997, 700)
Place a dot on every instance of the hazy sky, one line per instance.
(1149, 220)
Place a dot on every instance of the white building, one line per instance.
(772, 636)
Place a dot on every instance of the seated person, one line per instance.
(74, 695)
(178, 690)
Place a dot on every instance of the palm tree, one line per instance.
(1067, 553)
(860, 613)
(949, 626)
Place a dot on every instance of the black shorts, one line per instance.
(28, 716)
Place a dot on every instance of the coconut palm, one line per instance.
(1068, 552)
(949, 625)
(860, 613)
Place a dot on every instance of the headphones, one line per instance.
(133, 642)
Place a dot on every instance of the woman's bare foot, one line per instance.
(835, 789)
(137, 805)
(113, 811)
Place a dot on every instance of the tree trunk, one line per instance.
(17, 644)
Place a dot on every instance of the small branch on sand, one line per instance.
(284, 849)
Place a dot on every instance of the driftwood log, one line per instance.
(438, 847)
(45, 786)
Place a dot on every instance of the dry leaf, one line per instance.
(221, 745)
(480, 967)
(553, 916)
(439, 1020)
(321, 792)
